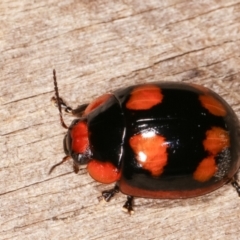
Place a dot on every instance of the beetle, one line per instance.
(156, 140)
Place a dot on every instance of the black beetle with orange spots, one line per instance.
(158, 140)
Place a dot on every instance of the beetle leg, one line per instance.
(78, 112)
(66, 158)
(108, 194)
(236, 185)
(127, 207)
(62, 104)
(75, 167)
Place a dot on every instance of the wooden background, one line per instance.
(97, 46)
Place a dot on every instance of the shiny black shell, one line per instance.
(184, 119)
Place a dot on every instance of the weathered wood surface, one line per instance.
(97, 46)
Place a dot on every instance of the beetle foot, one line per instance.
(127, 207)
(236, 186)
(108, 194)
(75, 167)
(62, 104)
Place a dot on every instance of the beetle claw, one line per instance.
(107, 195)
(129, 211)
(127, 207)
(101, 199)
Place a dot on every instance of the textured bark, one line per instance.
(98, 46)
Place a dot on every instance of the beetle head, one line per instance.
(76, 142)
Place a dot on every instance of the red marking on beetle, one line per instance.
(206, 169)
(150, 151)
(212, 105)
(144, 97)
(97, 102)
(167, 194)
(217, 139)
(103, 172)
(79, 135)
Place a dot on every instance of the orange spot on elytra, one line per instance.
(206, 169)
(97, 102)
(103, 172)
(79, 135)
(216, 140)
(212, 105)
(144, 97)
(150, 151)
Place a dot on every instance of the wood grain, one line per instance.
(98, 46)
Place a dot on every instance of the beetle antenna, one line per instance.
(58, 99)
